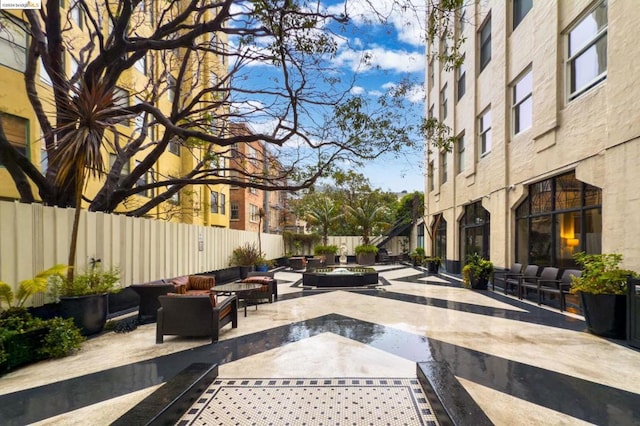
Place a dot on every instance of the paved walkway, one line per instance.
(520, 363)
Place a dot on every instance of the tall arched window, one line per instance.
(560, 217)
(439, 232)
(474, 231)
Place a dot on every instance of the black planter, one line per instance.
(89, 312)
(244, 271)
(605, 314)
(433, 267)
(479, 283)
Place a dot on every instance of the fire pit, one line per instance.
(340, 277)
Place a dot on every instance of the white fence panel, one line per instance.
(35, 237)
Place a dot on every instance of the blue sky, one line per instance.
(394, 51)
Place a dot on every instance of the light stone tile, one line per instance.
(324, 355)
(504, 409)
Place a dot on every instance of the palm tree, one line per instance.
(80, 138)
(323, 213)
(368, 216)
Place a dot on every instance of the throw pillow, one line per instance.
(199, 282)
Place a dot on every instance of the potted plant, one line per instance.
(263, 265)
(433, 263)
(25, 338)
(328, 252)
(245, 257)
(476, 272)
(417, 256)
(603, 288)
(366, 254)
(85, 298)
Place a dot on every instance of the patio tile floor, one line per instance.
(520, 364)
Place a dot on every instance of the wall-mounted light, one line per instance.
(573, 242)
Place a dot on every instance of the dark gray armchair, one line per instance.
(194, 316)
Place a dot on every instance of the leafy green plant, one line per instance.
(95, 280)
(366, 248)
(417, 256)
(28, 288)
(601, 274)
(62, 339)
(321, 249)
(476, 268)
(53, 338)
(434, 259)
(245, 255)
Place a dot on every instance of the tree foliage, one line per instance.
(275, 72)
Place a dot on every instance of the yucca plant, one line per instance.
(80, 140)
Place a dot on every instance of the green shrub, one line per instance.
(366, 248)
(95, 280)
(62, 339)
(601, 274)
(320, 249)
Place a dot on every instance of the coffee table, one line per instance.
(240, 289)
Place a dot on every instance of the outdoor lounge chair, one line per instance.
(530, 272)
(269, 290)
(501, 276)
(549, 274)
(195, 316)
(560, 287)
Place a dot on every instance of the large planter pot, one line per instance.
(329, 258)
(479, 283)
(244, 271)
(89, 312)
(433, 267)
(262, 268)
(605, 314)
(366, 258)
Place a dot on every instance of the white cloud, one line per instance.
(407, 17)
(378, 57)
(357, 90)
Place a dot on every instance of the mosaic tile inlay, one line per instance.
(335, 401)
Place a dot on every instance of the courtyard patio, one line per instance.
(345, 356)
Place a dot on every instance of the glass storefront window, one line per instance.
(560, 217)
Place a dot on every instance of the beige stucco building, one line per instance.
(546, 114)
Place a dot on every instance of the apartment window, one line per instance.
(16, 130)
(522, 108)
(125, 167)
(485, 43)
(174, 146)
(254, 213)
(462, 21)
(443, 102)
(460, 148)
(235, 177)
(235, 211)
(13, 46)
(141, 64)
(430, 176)
(520, 10)
(432, 74)
(75, 65)
(485, 132)
(443, 167)
(587, 56)
(223, 204)
(76, 14)
(171, 87)
(175, 198)
(253, 190)
(214, 202)
(121, 99)
(461, 79)
(431, 108)
(145, 179)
